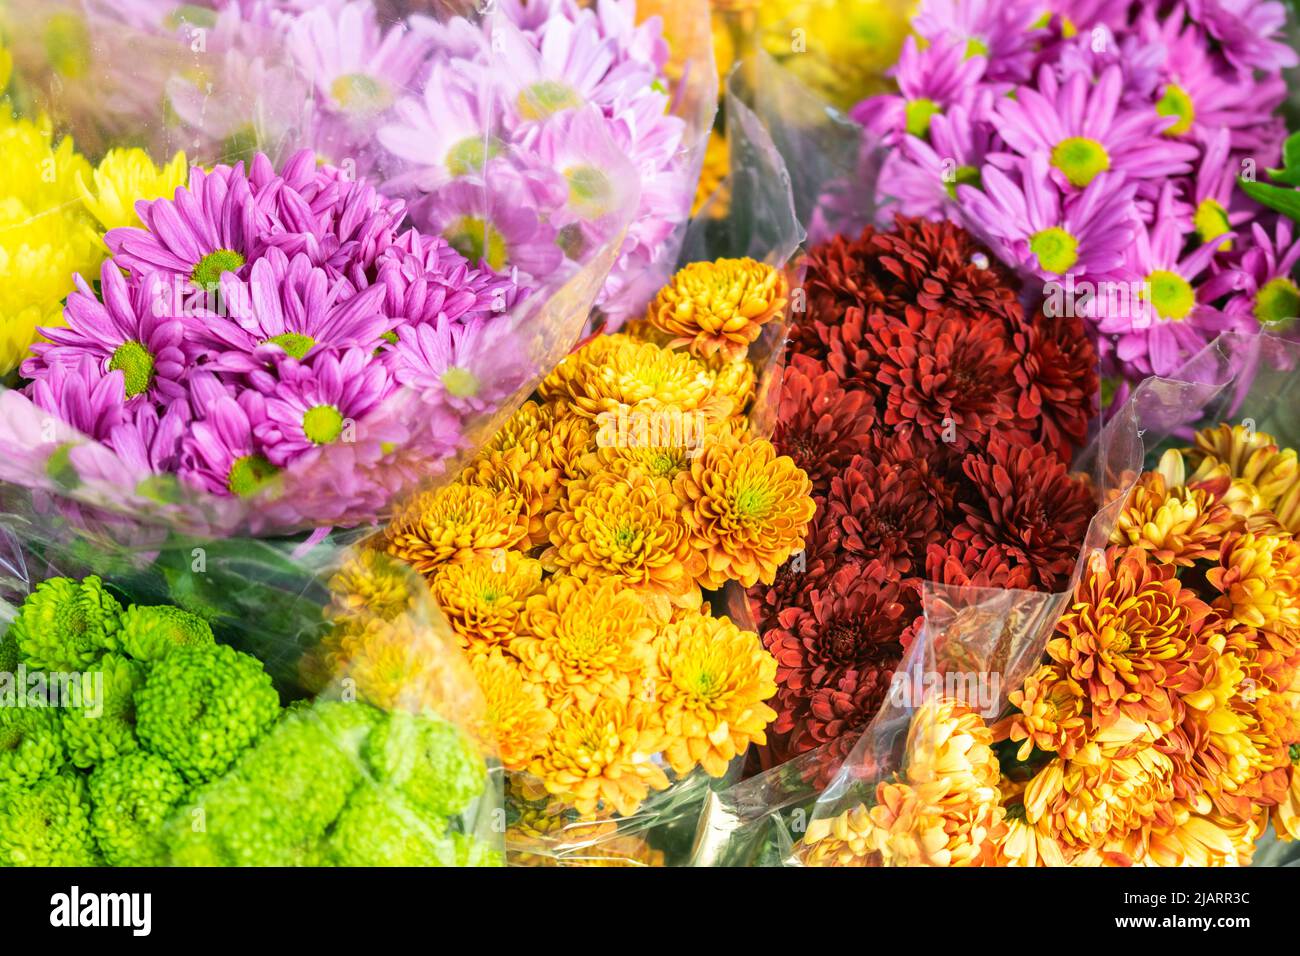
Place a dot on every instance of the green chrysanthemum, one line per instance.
(64, 625)
(148, 633)
(104, 727)
(307, 764)
(381, 827)
(47, 824)
(9, 653)
(231, 823)
(130, 798)
(201, 707)
(31, 745)
(429, 761)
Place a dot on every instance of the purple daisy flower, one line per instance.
(921, 178)
(1082, 15)
(132, 328)
(495, 226)
(1001, 31)
(83, 397)
(1155, 331)
(148, 443)
(468, 367)
(1031, 224)
(213, 227)
(424, 278)
(1220, 207)
(929, 81)
(1247, 31)
(318, 402)
(221, 454)
(288, 307)
(1262, 286)
(1083, 131)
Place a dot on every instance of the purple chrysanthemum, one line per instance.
(929, 80)
(1261, 287)
(467, 367)
(424, 277)
(221, 453)
(1247, 31)
(135, 328)
(1003, 31)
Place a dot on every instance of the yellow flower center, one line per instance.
(460, 382)
(1080, 159)
(1056, 249)
(1277, 304)
(546, 98)
(470, 155)
(590, 191)
(293, 343)
(248, 474)
(478, 241)
(917, 115)
(207, 273)
(1176, 102)
(322, 424)
(1211, 222)
(361, 94)
(1172, 296)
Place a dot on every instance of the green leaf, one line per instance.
(1285, 201)
(1289, 174)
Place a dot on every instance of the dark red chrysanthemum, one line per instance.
(1058, 378)
(845, 705)
(849, 353)
(884, 511)
(954, 381)
(819, 424)
(1030, 506)
(852, 623)
(961, 564)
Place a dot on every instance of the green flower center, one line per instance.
(753, 502)
(1211, 222)
(361, 94)
(976, 47)
(249, 474)
(322, 424)
(962, 175)
(1171, 295)
(136, 365)
(627, 537)
(704, 684)
(293, 343)
(1176, 102)
(1277, 304)
(460, 382)
(471, 155)
(1016, 811)
(590, 190)
(1056, 249)
(207, 274)
(917, 115)
(478, 241)
(67, 44)
(1081, 159)
(1293, 751)
(546, 98)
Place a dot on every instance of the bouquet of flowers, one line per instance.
(508, 128)
(215, 733)
(1147, 719)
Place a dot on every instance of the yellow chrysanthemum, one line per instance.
(842, 840)
(710, 679)
(371, 584)
(1259, 583)
(1204, 841)
(528, 486)
(748, 510)
(629, 528)
(483, 596)
(1286, 815)
(46, 235)
(1023, 844)
(619, 375)
(602, 756)
(124, 176)
(454, 524)
(657, 461)
(518, 713)
(1252, 458)
(1178, 525)
(719, 307)
(6, 67)
(1053, 712)
(713, 176)
(581, 640)
(546, 435)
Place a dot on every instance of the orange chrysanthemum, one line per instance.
(710, 680)
(1259, 583)
(1204, 841)
(602, 756)
(518, 715)
(629, 528)
(1286, 815)
(846, 839)
(719, 306)
(484, 596)
(546, 435)
(748, 510)
(1053, 713)
(529, 488)
(1251, 457)
(580, 640)
(1132, 637)
(1177, 525)
(454, 524)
